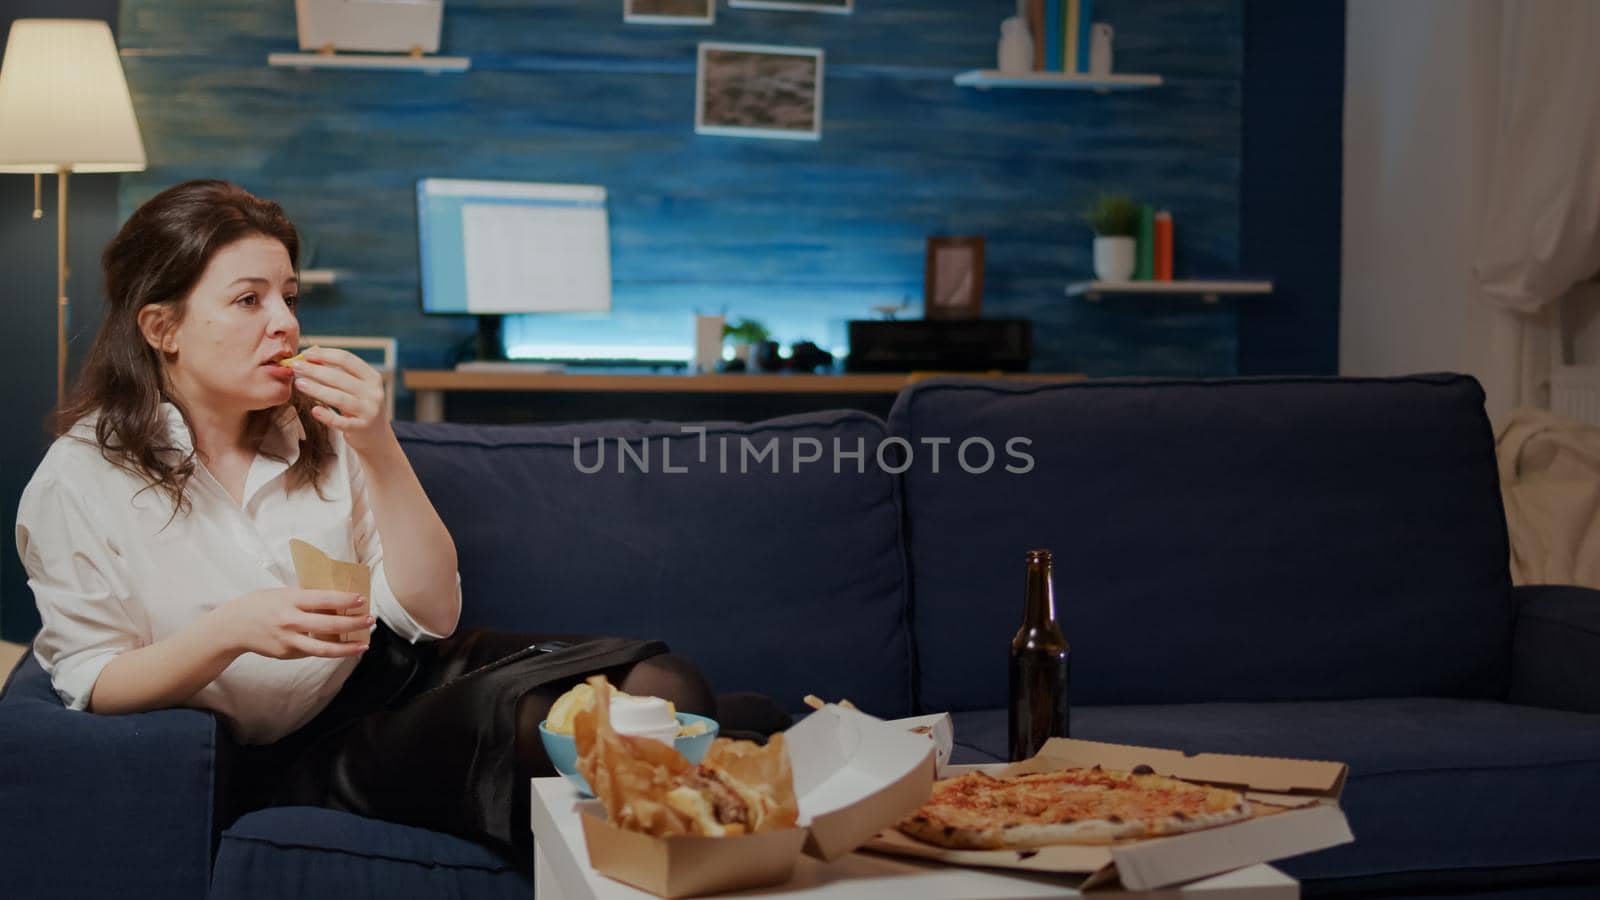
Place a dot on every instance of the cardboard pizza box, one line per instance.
(1295, 805)
(854, 776)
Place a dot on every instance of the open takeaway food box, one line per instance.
(1293, 809)
(854, 776)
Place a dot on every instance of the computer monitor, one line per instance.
(493, 248)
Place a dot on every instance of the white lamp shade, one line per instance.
(64, 101)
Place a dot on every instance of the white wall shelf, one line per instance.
(313, 277)
(1207, 291)
(431, 65)
(984, 79)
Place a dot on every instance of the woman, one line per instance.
(156, 538)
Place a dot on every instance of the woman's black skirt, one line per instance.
(428, 734)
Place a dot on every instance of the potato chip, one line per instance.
(565, 709)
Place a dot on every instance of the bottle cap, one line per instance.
(1039, 556)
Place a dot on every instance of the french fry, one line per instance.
(298, 358)
(815, 702)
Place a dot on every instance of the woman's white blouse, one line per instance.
(111, 573)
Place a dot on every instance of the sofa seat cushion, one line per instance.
(786, 582)
(1435, 784)
(299, 851)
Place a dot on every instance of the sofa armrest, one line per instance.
(1555, 655)
(103, 806)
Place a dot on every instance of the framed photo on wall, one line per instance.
(841, 7)
(669, 12)
(759, 91)
(952, 278)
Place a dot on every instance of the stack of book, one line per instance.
(1060, 31)
(1153, 261)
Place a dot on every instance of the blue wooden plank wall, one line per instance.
(802, 235)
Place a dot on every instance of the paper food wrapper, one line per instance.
(318, 571)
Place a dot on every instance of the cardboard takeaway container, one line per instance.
(938, 729)
(854, 776)
(1295, 804)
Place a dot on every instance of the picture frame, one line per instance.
(369, 26)
(837, 7)
(669, 12)
(759, 91)
(952, 279)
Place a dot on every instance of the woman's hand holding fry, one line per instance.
(349, 393)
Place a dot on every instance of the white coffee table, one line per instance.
(561, 872)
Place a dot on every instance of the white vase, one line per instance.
(1100, 35)
(1015, 50)
(1113, 258)
(707, 342)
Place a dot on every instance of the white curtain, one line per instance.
(1550, 480)
(1540, 232)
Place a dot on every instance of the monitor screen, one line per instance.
(503, 247)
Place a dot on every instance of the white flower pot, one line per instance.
(1113, 258)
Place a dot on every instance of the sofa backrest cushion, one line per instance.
(1240, 539)
(788, 583)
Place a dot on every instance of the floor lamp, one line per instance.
(64, 108)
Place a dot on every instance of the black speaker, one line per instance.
(965, 345)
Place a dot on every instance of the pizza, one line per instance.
(1069, 806)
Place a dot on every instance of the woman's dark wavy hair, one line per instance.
(156, 258)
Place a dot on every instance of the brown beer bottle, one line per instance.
(1040, 665)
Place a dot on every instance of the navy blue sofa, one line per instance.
(1302, 567)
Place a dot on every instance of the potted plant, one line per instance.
(745, 334)
(1115, 220)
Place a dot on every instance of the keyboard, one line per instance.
(507, 365)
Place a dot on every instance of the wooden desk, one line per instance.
(430, 385)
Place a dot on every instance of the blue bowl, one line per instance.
(563, 750)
